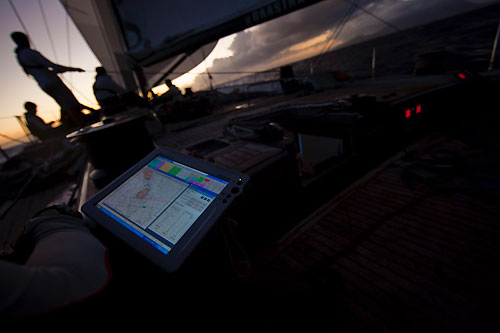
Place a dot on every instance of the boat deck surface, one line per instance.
(413, 245)
(180, 135)
(405, 250)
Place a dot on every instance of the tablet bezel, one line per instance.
(171, 261)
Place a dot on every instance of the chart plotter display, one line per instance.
(161, 201)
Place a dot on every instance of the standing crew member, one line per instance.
(45, 73)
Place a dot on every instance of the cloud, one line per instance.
(259, 48)
(269, 40)
(306, 32)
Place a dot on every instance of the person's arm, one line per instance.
(67, 264)
(36, 57)
(36, 123)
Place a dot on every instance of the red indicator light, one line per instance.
(462, 76)
(408, 113)
(418, 109)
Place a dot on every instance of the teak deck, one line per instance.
(406, 253)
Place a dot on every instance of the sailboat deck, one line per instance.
(414, 245)
(408, 253)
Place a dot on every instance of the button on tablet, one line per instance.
(235, 190)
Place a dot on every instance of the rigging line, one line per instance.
(78, 91)
(22, 23)
(240, 75)
(351, 11)
(375, 16)
(339, 31)
(327, 47)
(195, 64)
(347, 15)
(210, 77)
(22, 123)
(17, 197)
(317, 60)
(12, 139)
(205, 73)
(47, 28)
(68, 43)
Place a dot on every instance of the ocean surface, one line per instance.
(466, 40)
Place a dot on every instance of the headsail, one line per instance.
(159, 37)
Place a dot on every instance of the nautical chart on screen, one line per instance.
(162, 200)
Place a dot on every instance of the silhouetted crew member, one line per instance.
(173, 92)
(111, 96)
(107, 92)
(37, 126)
(45, 73)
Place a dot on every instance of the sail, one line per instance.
(142, 42)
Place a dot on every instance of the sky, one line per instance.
(293, 37)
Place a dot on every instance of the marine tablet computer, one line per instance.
(165, 204)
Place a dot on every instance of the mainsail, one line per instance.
(143, 42)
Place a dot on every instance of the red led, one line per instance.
(462, 76)
(408, 113)
(418, 109)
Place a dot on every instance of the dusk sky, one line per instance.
(291, 38)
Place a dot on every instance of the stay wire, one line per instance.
(68, 44)
(327, 47)
(78, 91)
(236, 69)
(12, 139)
(22, 23)
(48, 31)
(390, 25)
(194, 64)
(18, 196)
(355, 4)
(347, 15)
(210, 77)
(205, 73)
(240, 263)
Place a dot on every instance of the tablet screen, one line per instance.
(161, 201)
